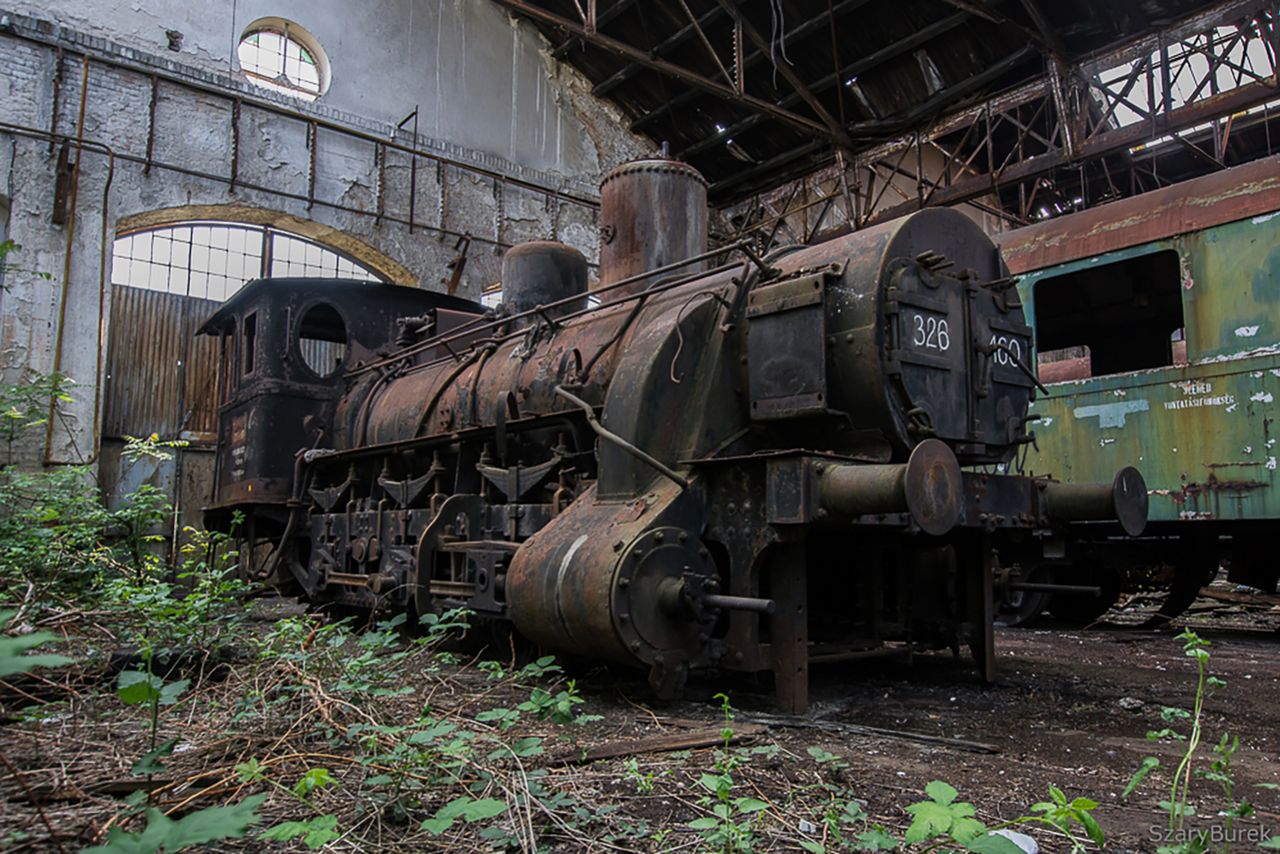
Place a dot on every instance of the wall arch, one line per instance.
(392, 270)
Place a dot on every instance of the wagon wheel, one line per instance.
(258, 564)
(1020, 607)
(1081, 608)
(1196, 566)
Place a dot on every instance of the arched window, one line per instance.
(281, 56)
(213, 260)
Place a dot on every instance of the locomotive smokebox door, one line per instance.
(927, 347)
(786, 351)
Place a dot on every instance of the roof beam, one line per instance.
(1108, 142)
(1047, 32)
(896, 124)
(858, 66)
(663, 47)
(715, 57)
(798, 85)
(981, 10)
(626, 51)
(754, 56)
(602, 17)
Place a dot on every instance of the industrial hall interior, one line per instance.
(639, 425)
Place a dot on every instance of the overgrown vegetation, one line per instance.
(1217, 794)
(210, 717)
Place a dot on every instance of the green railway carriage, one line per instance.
(1157, 331)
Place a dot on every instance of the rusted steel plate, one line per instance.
(1243, 191)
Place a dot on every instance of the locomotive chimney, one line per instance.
(541, 272)
(652, 213)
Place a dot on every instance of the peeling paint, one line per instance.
(1246, 331)
(1262, 397)
(1102, 443)
(1248, 449)
(1112, 414)
(1259, 220)
(1271, 463)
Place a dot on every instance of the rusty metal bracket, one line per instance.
(151, 126)
(235, 149)
(313, 143)
(457, 264)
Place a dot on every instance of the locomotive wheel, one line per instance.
(1083, 609)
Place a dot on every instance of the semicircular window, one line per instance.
(283, 57)
(213, 260)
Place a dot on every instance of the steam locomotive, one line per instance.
(776, 462)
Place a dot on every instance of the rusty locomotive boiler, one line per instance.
(757, 466)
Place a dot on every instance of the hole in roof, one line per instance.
(1242, 57)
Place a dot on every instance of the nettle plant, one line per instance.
(1186, 727)
(730, 823)
(448, 775)
(59, 544)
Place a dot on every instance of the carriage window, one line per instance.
(322, 339)
(1111, 318)
(250, 341)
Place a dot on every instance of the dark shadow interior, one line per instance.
(1126, 313)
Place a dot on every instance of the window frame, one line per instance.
(291, 33)
(1030, 281)
(268, 257)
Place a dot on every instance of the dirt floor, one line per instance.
(1070, 709)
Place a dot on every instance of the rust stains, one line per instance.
(1232, 194)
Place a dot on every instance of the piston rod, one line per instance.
(1032, 587)
(740, 603)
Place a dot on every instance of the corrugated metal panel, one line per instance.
(160, 379)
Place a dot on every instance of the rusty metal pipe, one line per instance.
(1125, 499)
(604, 433)
(455, 335)
(928, 487)
(66, 268)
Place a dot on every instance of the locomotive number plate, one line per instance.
(927, 331)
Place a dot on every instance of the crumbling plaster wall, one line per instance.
(525, 141)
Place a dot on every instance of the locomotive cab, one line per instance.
(285, 347)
